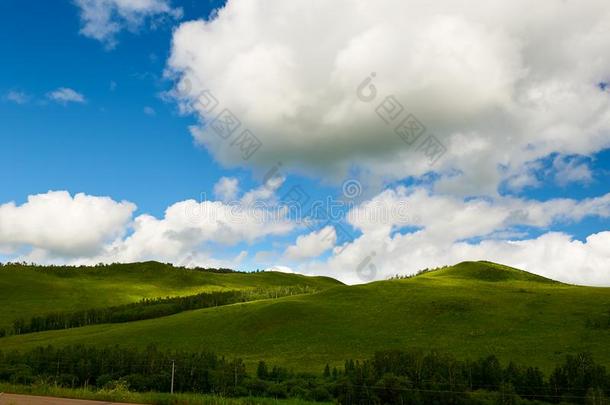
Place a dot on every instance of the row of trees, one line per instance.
(396, 377)
(101, 266)
(389, 377)
(147, 309)
(418, 273)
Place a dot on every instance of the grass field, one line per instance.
(154, 398)
(469, 310)
(29, 291)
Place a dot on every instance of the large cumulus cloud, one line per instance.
(56, 227)
(63, 225)
(499, 84)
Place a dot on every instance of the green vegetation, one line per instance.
(148, 308)
(28, 291)
(469, 310)
(389, 377)
(120, 393)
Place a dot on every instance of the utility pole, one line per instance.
(173, 371)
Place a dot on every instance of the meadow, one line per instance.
(28, 291)
(469, 310)
(121, 394)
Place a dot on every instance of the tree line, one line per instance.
(389, 377)
(58, 268)
(146, 309)
(417, 273)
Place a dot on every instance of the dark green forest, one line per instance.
(389, 377)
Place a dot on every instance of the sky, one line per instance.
(351, 139)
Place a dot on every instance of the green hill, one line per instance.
(469, 310)
(26, 291)
(487, 271)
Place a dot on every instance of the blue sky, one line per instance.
(92, 112)
(107, 146)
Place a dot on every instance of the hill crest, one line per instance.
(486, 271)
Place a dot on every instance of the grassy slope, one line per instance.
(29, 291)
(469, 310)
(146, 397)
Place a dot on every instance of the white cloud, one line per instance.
(446, 217)
(104, 19)
(205, 259)
(58, 228)
(17, 97)
(64, 225)
(280, 269)
(226, 189)
(149, 111)
(571, 170)
(263, 195)
(442, 229)
(400, 232)
(188, 225)
(554, 255)
(498, 89)
(312, 245)
(65, 95)
(557, 256)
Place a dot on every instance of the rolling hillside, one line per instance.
(26, 291)
(470, 310)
